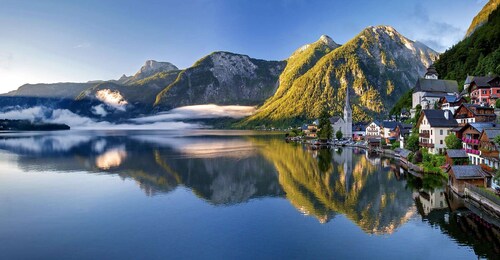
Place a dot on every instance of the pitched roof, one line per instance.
(452, 98)
(473, 109)
(436, 118)
(468, 172)
(482, 81)
(469, 79)
(479, 126)
(436, 85)
(335, 119)
(456, 153)
(492, 132)
(359, 127)
(389, 124)
(404, 153)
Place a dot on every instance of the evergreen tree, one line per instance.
(339, 134)
(325, 128)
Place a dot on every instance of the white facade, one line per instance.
(372, 130)
(433, 137)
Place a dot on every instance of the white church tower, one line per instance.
(347, 116)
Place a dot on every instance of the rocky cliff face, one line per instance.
(379, 64)
(222, 78)
(150, 68)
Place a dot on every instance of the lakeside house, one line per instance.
(430, 89)
(386, 127)
(489, 148)
(456, 157)
(373, 130)
(469, 134)
(484, 90)
(402, 131)
(434, 125)
(470, 113)
(359, 131)
(458, 175)
(310, 130)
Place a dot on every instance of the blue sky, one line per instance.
(60, 41)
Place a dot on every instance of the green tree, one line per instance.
(325, 128)
(497, 103)
(453, 142)
(412, 143)
(497, 139)
(339, 134)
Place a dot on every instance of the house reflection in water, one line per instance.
(431, 200)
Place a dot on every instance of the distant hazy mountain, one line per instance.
(222, 78)
(379, 65)
(54, 90)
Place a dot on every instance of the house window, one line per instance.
(431, 131)
(441, 132)
(440, 141)
(498, 91)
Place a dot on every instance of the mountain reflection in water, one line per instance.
(232, 169)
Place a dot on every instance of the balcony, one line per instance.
(424, 134)
(428, 145)
(473, 151)
(470, 141)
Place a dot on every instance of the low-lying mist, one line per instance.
(170, 120)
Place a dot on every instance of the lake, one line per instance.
(221, 194)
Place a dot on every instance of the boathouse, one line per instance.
(472, 174)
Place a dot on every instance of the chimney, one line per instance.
(447, 114)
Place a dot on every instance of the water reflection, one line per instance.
(371, 191)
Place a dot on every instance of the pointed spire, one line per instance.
(347, 101)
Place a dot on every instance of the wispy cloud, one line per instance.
(438, 35)
(83, 45)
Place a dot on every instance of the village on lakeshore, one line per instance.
(447, 132)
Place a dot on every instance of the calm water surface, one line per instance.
(221, 194)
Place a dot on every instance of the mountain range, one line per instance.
(378, 65)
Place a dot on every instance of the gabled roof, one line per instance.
(451, 98)
(404, 153)
(456, 153)
(435, 94)
(482, 81)
(436, 85)
(335, 119)
(479, 126)
(468, 172)
(469, 79)
(491, 132)
(473, 108)
(436, 118)
(359, 127)
(389, 124)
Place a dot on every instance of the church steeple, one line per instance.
(347, 115)
(347, 102)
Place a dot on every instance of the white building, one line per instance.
(434, 125)
(345, 123)
(430, 89)
(372, 130)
